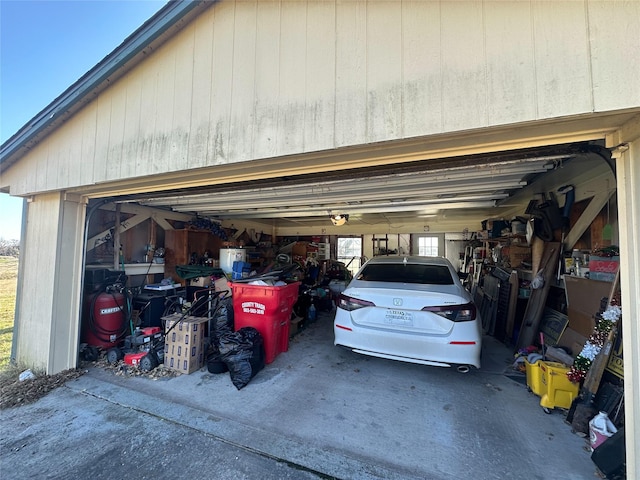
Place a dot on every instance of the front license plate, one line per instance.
(398, 317)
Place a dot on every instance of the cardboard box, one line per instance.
(583, 302)
(518, 254)
(184, 343)
(200, 282)
(222, 285)
(294, 326)
(572, 340)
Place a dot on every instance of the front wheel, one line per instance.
(148, 362)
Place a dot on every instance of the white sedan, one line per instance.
(412, 309)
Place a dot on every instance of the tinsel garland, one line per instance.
(605, 322)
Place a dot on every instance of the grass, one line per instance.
(8, 283)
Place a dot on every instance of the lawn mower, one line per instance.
(144, 348)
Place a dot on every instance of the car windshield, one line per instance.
(406, 273)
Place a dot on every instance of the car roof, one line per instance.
(410, 259)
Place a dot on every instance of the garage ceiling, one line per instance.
(462, 187)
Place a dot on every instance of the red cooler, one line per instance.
(268, 310)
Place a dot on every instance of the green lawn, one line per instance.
(8, 280)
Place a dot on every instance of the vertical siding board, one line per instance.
(183, 93)
(72, 176)
(242, 121)
(201, 97)
(103, 125)
(292, 81)
(384, 71)
(164, 108)
(351, 82)
(131, 140)
(221, 83)
(421, 68)
(562, 61)
(510, 62)
(47, 165)
(41, 165)
(267, 79)
(320, 73)
(148, 116)
(116, 131)
(463, 76)
(43, 216)
(616, 74)
(88, 117)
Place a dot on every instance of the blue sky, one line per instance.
(47, 45)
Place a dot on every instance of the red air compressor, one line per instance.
(103, 318)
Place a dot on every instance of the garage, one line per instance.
(365, 142)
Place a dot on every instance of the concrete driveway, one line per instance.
(317, 411)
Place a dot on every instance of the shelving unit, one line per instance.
(180, 244)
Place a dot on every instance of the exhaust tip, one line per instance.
(463, 369)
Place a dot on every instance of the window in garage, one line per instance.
(350, 252)
(428, 246)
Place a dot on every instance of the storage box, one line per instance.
(604, 264)
(294, 326)
(184, 343)
(222, 285)
(267, 309)
(518, 254)
(200, 282)
(602, 276)
(572, 340)
(583, 302)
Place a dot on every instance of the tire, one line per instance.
(114, 355)
(148, 362)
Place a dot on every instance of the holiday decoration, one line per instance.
(605, 322)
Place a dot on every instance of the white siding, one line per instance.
(252, 80)
(43, 216)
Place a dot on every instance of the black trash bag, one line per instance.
(223, 321)
(243, 354)
(258, 355)
(214, 360)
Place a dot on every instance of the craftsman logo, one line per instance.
(253, 307)
(108, 311)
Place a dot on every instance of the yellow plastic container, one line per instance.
(534, 377)
(557, 391)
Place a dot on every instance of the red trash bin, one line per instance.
(268, 310)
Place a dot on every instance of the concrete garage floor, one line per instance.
(317, 411)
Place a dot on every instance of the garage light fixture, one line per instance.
(339, 220)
